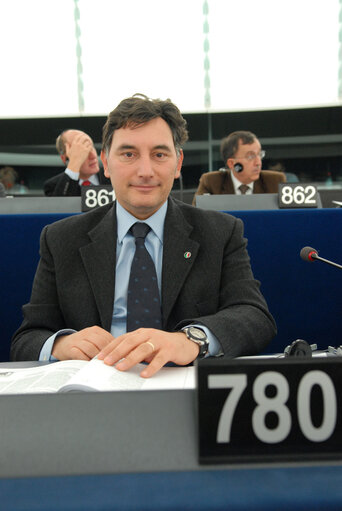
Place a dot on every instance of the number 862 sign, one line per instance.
(293, 195)
(269, 410)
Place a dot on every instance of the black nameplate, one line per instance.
(96, 196)
(294, 195)
(268, 410)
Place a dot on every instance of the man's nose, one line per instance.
(93, 153)
(258, 160)
(145, 167)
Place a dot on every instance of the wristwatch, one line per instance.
(198, 336)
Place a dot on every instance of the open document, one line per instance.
(79, 375)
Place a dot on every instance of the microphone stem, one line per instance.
(326, 261)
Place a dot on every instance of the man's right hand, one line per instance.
(78, 151)
(82, 345)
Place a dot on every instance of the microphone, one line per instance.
(238, 167)
(310, 254)
(2, 190)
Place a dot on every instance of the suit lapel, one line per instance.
(228, 186)
(99, 258)
(259, 186)
(179, 255)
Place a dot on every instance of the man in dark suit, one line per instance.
(78, 153)
(242, 155)
(210, 303)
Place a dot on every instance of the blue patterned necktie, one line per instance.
(143, 303)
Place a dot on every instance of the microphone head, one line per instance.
(308, 254)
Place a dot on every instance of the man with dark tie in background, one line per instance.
(78, 153)
(242, 155)
(146, 278)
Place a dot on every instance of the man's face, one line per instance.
(142, 164)
(248, 155)
(79, 142)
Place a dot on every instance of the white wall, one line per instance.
(262, 54)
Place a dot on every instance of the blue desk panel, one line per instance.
(19, 256)
(304, 298)
(271, 489)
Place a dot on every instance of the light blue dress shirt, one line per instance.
(125, 248)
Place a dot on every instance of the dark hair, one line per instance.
(138, 110)
(230, 144)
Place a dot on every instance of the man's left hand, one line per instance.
(150, 345)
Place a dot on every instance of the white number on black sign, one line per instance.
(297, 196)
(96, 196)
(265, 404)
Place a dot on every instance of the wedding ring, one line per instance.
(152, 345)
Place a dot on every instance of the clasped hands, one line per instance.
(155, 347)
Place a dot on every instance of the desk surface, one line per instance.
(100, 432)
(33, 205)
(231, 202)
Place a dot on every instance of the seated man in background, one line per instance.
(8, 177)
(9, 181)
(242, 155)
(196, 295)
(77, 151)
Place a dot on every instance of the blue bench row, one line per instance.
(304, 298)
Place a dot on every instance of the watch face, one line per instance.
(199, 337)
(197, 333)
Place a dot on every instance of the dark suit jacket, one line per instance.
(75, 280)
(63, 185)
(220, 182)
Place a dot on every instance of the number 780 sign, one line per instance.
(279, 409)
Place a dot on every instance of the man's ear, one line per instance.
(230, 163)
(63, 158)
(105, 163)
(180, 159)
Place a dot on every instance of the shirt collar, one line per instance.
(93, 179)
(125, 221)
(237, 182)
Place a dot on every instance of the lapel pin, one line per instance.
(187, 255)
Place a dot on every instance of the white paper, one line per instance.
(77, 375)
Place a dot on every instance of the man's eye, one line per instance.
(160, 156)
(127, 155)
